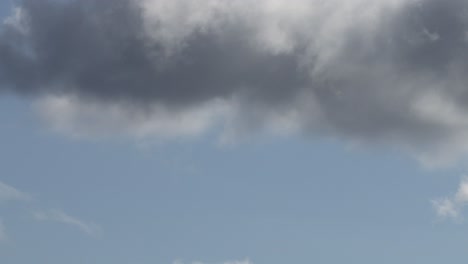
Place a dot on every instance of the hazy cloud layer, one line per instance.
(386, 72)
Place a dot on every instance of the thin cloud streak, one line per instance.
(59, 216)
(9, 193)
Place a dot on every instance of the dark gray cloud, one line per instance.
(386, 72)
(100, 49)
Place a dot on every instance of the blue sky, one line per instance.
(274, 201)
(83, 180)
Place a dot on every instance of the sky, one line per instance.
(233, 132)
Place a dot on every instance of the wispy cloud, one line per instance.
(59, 216)
(9, 193)
(452, 206)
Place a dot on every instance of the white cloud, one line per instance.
(446, 208)
(452, 207)
(81, 118)
(9, 193)
(84, 119)
(17, 20)
(61, 217)
(239, 262)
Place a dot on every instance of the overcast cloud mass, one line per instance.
(390, 72)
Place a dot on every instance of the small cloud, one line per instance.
(433, 37)
(17, 21)
(61, 217)
(239, 262)
(446, 208)
(451, 207)
(9, 193)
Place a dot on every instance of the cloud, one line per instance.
(81, 118)
(452, 207)
(61, 217)
(9, 193)
(239, 262)
(388, 72)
